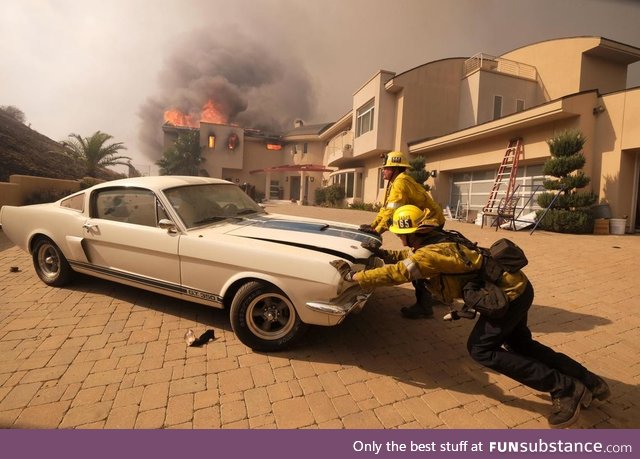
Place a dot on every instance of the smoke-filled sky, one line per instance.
(78, 66)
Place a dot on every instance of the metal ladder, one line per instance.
(507, 173)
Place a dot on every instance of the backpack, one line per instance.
(482, 294)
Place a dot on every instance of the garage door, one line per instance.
(470, 190)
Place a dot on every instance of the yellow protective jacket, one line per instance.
(401, 191)
(446, 267)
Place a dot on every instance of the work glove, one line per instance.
(457, 315)
(344, 269)
(366, 228)
(373, 246)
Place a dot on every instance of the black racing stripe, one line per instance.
(146, 281)
(312, 227)
(314, 248)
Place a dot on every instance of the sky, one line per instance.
(79, 66)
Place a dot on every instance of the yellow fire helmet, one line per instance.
(410, 219)
(396, 159)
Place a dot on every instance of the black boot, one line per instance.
(417, 311)
(597, 386)
(566, 409)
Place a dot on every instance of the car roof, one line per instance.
(162, 182)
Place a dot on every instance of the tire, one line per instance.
(50, 264)
(264, 319)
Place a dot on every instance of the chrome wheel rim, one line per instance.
(48, 261)
(270, 316)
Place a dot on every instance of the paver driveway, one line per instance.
(100, 355)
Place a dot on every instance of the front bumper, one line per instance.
(351, 301)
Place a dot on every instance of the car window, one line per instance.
(74, 202)
(129, 205)
(199, 205)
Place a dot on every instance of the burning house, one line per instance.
(276, 166)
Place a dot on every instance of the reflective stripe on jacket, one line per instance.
(401, 191)
(446, 268)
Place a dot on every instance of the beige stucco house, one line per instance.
(460, 115)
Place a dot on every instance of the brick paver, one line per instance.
(101, 355)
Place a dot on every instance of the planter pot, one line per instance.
(601, 226)
(617, 225)
(601, 211)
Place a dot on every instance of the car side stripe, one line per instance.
(145, 281)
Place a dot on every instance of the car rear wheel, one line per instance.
(50, 264)
(264, 319)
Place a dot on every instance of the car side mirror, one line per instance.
(168, 225)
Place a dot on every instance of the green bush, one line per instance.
(365, 206)
(331, 196)
(570, 212)
(86, 182)
(42, 196)
(566, 221)
(418, 171)
(568, 201)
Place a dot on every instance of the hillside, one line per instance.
(26, 152)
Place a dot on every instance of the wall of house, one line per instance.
(488, 151)
(468, 110)
(381, 137)
(429, 104)
(558, 63)
(221, 156)
(618, 140)
(601, 74)
(510, 88)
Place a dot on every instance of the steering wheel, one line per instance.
(230, 209)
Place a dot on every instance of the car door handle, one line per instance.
(89, 226)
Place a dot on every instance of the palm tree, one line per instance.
(93, 151)
(184, 157)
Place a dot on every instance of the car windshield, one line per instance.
(199, 205)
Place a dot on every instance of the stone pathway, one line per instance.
(104, 356)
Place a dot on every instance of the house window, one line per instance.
(519, 105)
(212, 141)
(305, 147)
(345, 180)
(364, 118)
(497, 107)
(380, 178)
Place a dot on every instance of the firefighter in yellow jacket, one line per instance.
(505, 344)
(401, 190)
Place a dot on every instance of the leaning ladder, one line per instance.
(507, 173)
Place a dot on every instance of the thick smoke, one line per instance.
(255, 87)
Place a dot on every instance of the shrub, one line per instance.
(566, 221)
(332, 195)
(570, 212)
(418, 171)
(86, 182)
(42, 196)
(365, 206)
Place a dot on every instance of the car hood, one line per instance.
(333, 238)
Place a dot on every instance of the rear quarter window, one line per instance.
(74, 202)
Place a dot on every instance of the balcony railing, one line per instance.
(341, 146)
(497, 64)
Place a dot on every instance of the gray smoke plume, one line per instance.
(255, 87)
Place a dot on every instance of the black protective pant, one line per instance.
(523, 359)
(423, 295)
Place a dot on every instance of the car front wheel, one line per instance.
(50, 264)
(264, 319)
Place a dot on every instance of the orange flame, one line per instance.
(209, 114)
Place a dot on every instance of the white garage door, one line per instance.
(470, 190)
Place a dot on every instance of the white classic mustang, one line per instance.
(203, 240)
